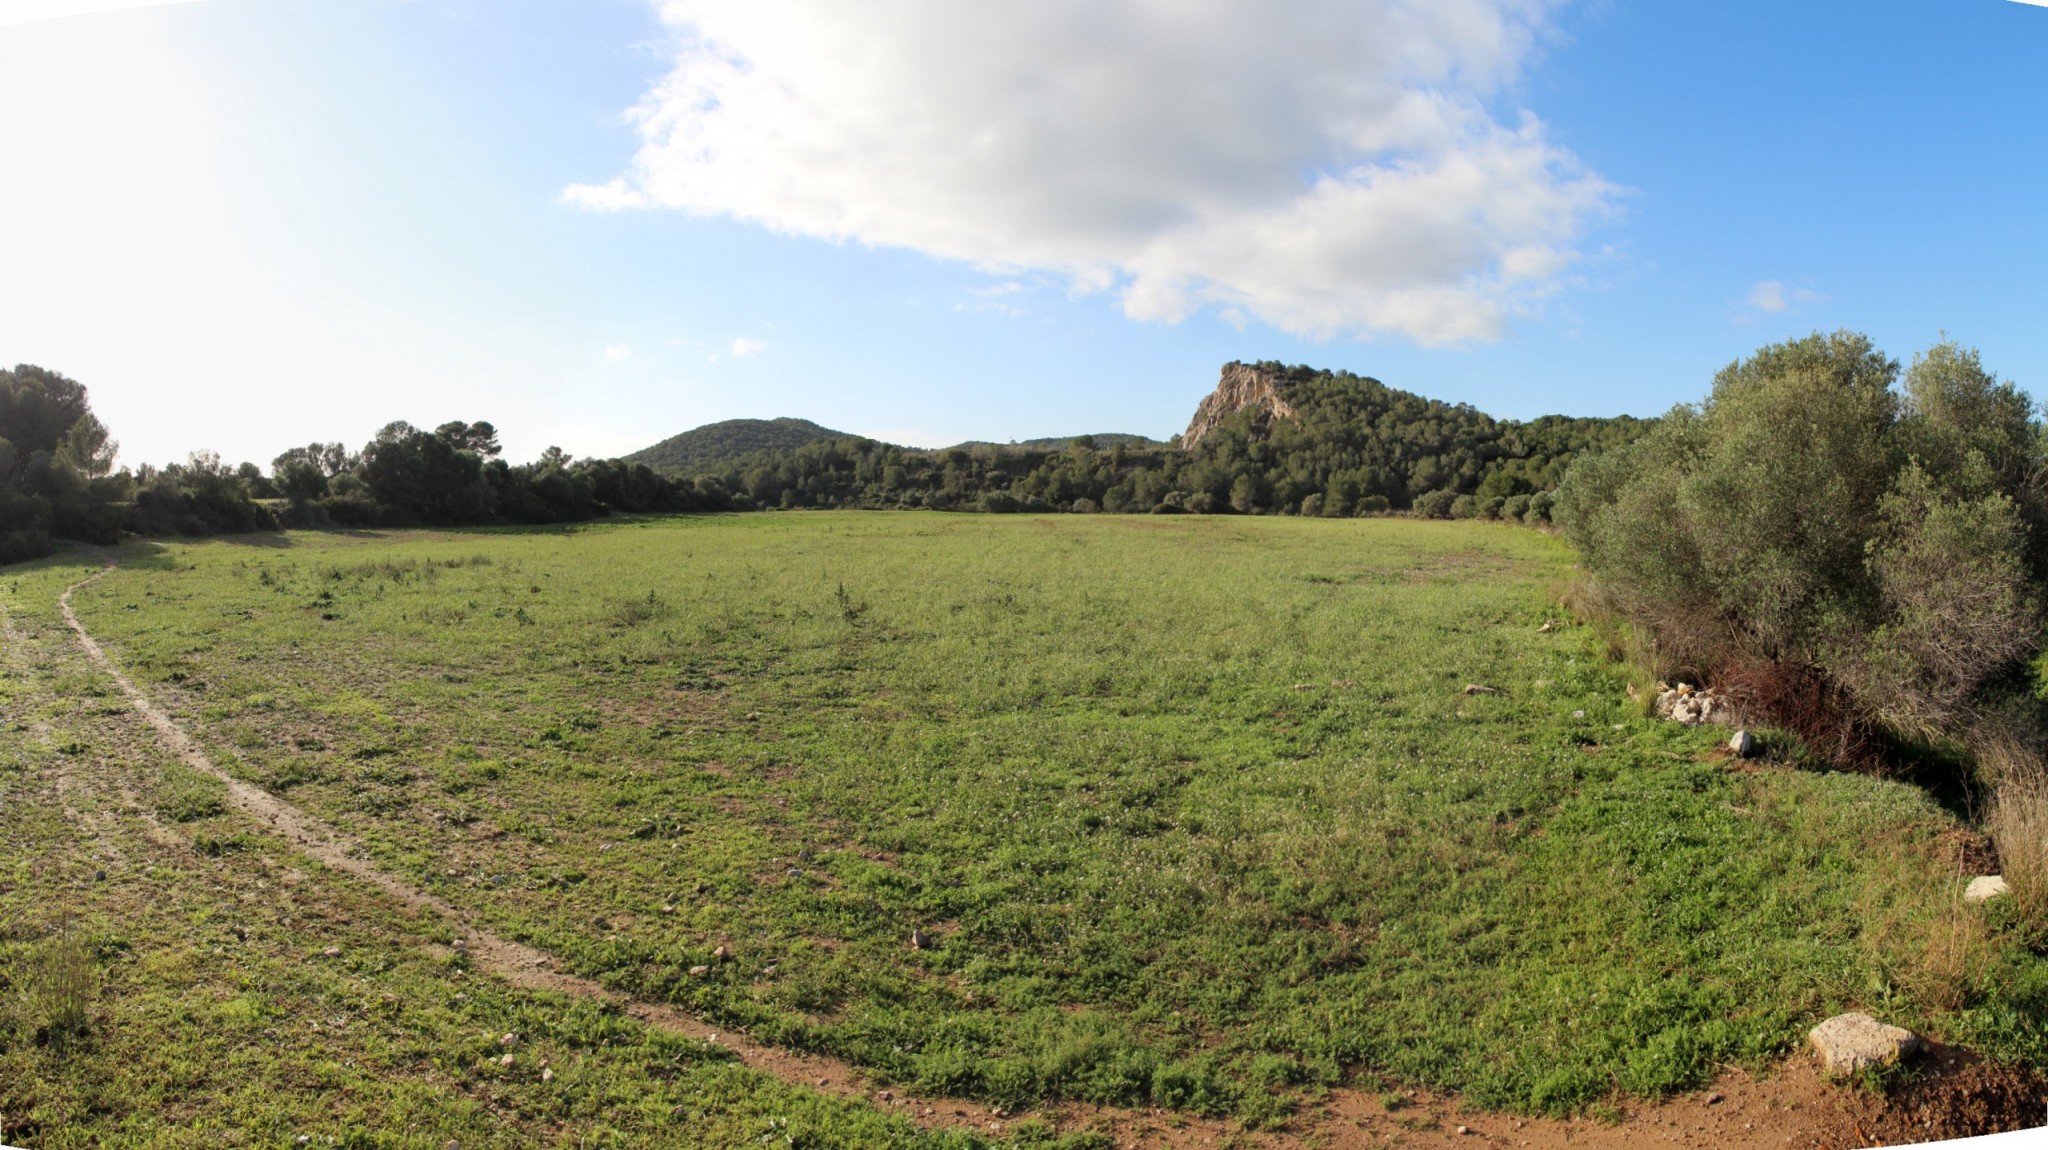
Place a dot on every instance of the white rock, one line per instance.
(1742, 744)
(1985, 886)
(1851, 1042)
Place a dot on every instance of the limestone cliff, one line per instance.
(1243, 385)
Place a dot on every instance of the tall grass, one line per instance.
(56, 988)
(2019, 824)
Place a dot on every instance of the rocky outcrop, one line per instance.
(1243, 386)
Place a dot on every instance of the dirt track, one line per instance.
(1793, 1108)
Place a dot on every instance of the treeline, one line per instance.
(1354, 447)
(57, 480)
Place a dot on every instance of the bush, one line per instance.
(1797, 519)
(1435, 504)
(1540, 505)
(1312, 505)
(1514, 507)
(1373, 505)
(1490, 508)
(1464, 507)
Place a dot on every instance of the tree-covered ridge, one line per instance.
(1354, 446)
(1062, 442)
(714, 443)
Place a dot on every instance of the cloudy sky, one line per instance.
(247, 224)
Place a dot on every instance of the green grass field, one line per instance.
(1194, 811)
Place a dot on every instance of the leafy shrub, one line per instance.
(1514, 507)
(1435, 504)
(1464, 507)
(1878, 550)
(1373, 505)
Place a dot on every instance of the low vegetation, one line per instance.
(1206, 836)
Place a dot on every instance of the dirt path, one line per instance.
(1792, 1108)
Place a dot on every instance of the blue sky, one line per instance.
(247, 224)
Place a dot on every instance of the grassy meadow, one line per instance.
(1190, 811)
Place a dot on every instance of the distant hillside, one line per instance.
(1271, 439)
(714, 443)
(1102, 440)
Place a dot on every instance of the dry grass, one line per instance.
(2019, 825)
(57, 988)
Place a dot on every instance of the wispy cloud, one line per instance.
(744, 347)
(1774, 297)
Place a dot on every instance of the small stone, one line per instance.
(547, 1076)
(824, 1082)
(668, 908)
(505, 1061)
(1742, 744)
(1713, 1099)
(919, 940)
(459, 944)
(699, 971)
(509, 1040)
(1852, 1042)
(1548, 626)
(451, 1144)
(721, 954)
(884, 1096)
(332, 952)
(1464, 1130)
(1478, 689)
(1578, 714)
(1985, 887)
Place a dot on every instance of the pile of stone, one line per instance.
(1692, 706)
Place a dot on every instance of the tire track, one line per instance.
(515, 962)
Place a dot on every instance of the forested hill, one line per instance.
(714, 443)
(1272, 439)
(1101, 439)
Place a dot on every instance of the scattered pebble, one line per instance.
(884, 1096)
(668, 908)
(505, 1061)
(919, 940)
(1578, 714)
(824, 1082)
(698, 971)
(547, 1076)
(332, 952)
(1713, 1099)
(1464, 1130)
(509, 1040)
(722, 953)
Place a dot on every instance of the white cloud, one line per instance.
(1325, 166)
(30, 11)
(1774, 297)
(618, 353)
(744, 347)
